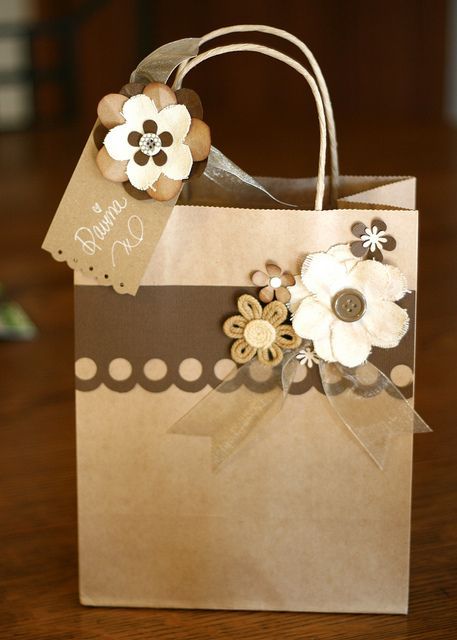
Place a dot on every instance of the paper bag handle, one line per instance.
(285, 35)
(272, 53)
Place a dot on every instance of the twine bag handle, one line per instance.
(272, 53)
(289, 37)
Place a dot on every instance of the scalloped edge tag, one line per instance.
(102, 231)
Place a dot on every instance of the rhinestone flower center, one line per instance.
(150, 144)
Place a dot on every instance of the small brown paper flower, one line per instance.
(274, 283)
(260, 332)
(373, 240)
(153, 141)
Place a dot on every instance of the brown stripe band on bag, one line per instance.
(171, 335)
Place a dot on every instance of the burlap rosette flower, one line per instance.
(153, 140)
(346, 306)
(260, 332)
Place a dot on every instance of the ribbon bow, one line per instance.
(233, 416)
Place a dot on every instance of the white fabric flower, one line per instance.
(342, 252)
(151, 141)
(154, 138)
(347, 306)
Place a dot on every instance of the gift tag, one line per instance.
(102, 231)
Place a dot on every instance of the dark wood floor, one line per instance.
(38, 575)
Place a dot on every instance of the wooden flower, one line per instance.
(260, 332)
(273, 283)
(152, 140)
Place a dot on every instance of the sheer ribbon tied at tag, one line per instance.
(368, 403)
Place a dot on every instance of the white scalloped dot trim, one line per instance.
(191, 370)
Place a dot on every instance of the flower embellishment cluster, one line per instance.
(260, 331)
(274, 282)
(152, 142)
(372, 240)
(346, 306)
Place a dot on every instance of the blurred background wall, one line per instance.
(384, 60)
(387, 58)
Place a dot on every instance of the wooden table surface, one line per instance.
(38, 575)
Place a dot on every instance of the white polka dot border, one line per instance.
(85, 368)
(120, 369)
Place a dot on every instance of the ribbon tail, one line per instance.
(160, 64)
(371, 406)
(233, 421)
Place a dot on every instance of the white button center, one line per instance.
(275, 282)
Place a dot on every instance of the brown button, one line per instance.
(349, 305)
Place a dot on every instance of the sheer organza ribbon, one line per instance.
(233, 415)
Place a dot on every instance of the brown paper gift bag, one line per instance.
(300, 520)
